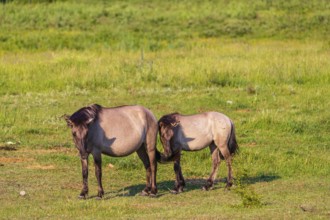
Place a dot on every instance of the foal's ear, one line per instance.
(68, 121)
(174, 124)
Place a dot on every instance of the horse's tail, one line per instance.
(232, 143)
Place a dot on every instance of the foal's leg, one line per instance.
(215, 165)
(98, 173)
(179, 180)
(142, 153)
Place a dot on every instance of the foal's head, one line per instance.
(167, 125)
(78, 122)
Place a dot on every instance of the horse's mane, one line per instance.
(169, 119)
(86, 114)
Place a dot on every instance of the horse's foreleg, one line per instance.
(84, 166)
(179, 180)
(98, 173)
(215, 165)
(182, 181)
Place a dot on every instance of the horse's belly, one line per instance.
(196, 144)
(121, 147)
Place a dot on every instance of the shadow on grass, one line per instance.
(259, 179)
(164, 187)
(135, 190)
(8, 148)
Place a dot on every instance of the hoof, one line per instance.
(100, 195)
(173, 191)
(226, 189)
(81, 197)
(228, 185)
(98, 198)
(153, 195)
(207, 188)
(144, 193)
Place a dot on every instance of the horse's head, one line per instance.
(79, 123)
(167, 125)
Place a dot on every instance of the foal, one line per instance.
(195, 132)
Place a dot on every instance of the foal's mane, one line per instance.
(169, 119)
(86, 114)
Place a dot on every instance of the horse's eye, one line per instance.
(74, 134)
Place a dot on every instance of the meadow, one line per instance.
(265, 64)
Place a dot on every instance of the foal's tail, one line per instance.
(232, 143)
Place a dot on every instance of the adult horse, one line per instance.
(116, 132)
(195, 132)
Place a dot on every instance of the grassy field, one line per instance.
(267, 69)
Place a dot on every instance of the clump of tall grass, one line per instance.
(249, 198)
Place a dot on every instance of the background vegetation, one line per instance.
(263, 63)
(155, 25)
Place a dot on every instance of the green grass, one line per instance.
(282, 127)
(155, 25)
(269, 72)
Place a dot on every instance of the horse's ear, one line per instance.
(161, 124)
(89, 121)
(176, 123)
(68, 121)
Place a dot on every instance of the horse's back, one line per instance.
(200, 130)
(120, 131)
(195, 131)
(205, 120)
(129, 114)
(219, 118)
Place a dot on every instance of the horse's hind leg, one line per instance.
(215, 165)
(153, 171)
(226, 154)
(142, 153)
(150, 149)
